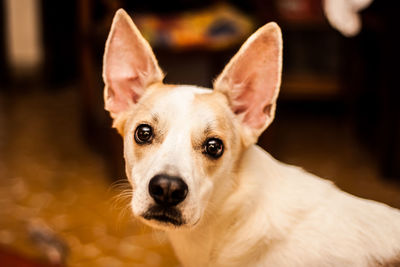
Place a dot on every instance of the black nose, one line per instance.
(167, 190)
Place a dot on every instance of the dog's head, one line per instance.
(182, 144)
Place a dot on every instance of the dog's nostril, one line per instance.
(157, 190)
(178, 194)
(167, 190)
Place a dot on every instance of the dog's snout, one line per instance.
(167, 190)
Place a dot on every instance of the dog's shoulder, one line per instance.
(301, 214)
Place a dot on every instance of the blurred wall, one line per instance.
(23, 34)
(3, 68)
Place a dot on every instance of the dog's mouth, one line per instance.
(164, 215)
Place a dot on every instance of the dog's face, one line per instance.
(183, 144)
(181, 135)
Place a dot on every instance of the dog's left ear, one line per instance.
(251, 80)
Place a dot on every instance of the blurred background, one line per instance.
(63, 194)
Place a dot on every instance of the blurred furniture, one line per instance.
(3, 60)
(308, 74)
(320, 66)
(374, 68)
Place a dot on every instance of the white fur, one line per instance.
(265, 213)
(244, 208)
(283, 216)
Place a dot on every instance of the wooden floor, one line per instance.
(54, 189)
(50, 179)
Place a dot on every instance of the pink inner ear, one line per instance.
(126, 95)
(129, 65)
(258, 74)
(254, 77)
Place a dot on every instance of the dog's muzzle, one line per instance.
(167, 192)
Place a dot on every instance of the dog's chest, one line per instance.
(211, 247)
(192, 251)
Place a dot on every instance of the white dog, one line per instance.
(196, 172)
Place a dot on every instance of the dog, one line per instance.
(196, 171)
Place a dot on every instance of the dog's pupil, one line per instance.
(213, 148)
(144, 133)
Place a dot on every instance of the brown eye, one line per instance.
(214, 148)
(143, 134)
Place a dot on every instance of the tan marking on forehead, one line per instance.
(151, 94)
(216, 100)
(218, 103)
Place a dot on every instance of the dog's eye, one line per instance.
(214, 147)
(143, 134)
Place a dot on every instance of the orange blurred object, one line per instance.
(216, 27)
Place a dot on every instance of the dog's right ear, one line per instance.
(129, 65)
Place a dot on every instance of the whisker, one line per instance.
(120, 201)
